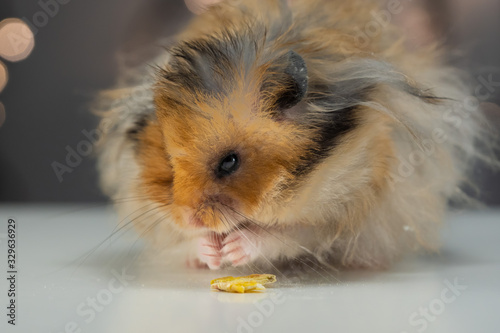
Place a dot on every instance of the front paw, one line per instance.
(209, 251)
(241, 247)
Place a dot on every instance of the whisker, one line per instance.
(141, 197)
(301, 261)
(92, 251)
(135, 211)
(148, 229)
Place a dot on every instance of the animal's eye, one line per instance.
(228, 165)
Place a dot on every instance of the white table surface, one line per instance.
(58, 284)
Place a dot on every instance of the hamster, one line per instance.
(273, 130)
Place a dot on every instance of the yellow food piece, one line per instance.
(242, 284)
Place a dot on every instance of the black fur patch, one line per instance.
(205, 65)
(334, 126)
(212, 65)
(138, 127)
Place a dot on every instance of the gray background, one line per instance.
(48, 95)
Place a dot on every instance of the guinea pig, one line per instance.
(273, 130)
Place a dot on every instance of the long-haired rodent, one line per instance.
(273, 131)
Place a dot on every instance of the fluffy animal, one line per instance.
(273, 130)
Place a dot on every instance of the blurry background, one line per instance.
(79, 47)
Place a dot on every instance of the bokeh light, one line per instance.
(4, 76)
(16, 39)
(2, 114)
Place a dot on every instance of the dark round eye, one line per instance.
(229, 164)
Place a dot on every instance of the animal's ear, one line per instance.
(295, 83)
(286, 83)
